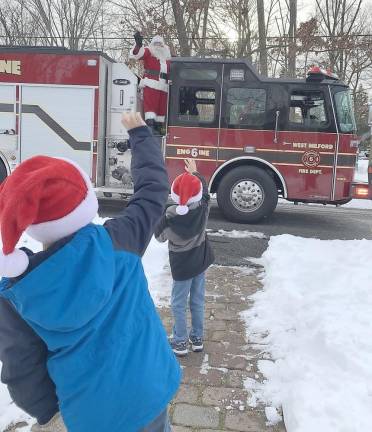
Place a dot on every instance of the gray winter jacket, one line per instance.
(189, 250)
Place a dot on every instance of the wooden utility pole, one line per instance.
(292, 38)
(262, 36)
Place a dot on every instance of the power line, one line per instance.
(192, 38)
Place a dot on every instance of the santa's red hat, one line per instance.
(49, 198)
(186, 189)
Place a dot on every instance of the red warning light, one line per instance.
(317, 73)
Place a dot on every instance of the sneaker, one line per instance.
(196, 343)
(179, 348)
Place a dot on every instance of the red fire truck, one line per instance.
(254, 139)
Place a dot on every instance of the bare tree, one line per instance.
(17, 27)
(179, 17)
(70, 23)
(136, 15)
(338, 21)
(236, 25)
(345, 47)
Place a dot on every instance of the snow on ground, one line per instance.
(314, 318)
(160, 282)
(155, 263)
(361, 204)
(235, 234)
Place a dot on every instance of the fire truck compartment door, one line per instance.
(8, 137)
(123, 88)
(58, 122)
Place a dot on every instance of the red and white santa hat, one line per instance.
(186, 189)
(157, 40)
(49, 198)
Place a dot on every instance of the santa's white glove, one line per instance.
(54, 425)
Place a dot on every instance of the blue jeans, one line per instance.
(160, 424)
(180, 292)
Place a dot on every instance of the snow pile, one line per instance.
(155, 263)
(362, 204)
(236, 234)
(314, 316)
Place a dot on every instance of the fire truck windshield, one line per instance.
(344, 112)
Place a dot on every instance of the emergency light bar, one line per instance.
(317, 73)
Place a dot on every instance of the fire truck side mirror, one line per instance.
(277, 114)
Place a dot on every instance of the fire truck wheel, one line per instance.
(3, 173)
(247, 194)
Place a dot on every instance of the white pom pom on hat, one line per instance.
(13, 264)
(47, 197)
(186, 189)
(182, 210)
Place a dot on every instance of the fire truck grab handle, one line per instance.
(276, 126)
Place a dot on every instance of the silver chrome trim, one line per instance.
(220, 111)
(335, 160)
(6, 163)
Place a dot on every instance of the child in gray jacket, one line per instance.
(190, 254)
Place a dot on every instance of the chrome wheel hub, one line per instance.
(247, 195)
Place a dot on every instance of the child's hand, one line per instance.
(132, 120)
(190, 166)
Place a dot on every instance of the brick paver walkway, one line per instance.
(212, 395)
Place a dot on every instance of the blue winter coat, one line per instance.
(87, 299)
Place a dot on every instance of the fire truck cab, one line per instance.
(256, 139)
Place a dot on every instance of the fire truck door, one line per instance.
(193, 116)
(58, 121)
(308, 143)
(8, 122)
(247, 123)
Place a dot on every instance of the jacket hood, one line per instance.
(187, 226)
(69, 288)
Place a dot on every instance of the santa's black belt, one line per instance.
(156, 74)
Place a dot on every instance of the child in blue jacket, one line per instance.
(82, 307)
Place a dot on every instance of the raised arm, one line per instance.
(190, 166)
(133, 228)
(138, 52)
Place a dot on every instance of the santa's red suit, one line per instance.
(155, 80)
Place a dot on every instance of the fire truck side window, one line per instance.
(246, 107)
(344, 111)
(308, 111)
(196, 105)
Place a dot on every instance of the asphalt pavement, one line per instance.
(322, 222)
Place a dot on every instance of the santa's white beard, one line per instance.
(161, 53)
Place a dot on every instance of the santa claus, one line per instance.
(155, 58)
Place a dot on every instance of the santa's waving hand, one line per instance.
(155, 80)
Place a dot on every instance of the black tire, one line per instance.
(3, 172)
(254, 198)
(107, 194)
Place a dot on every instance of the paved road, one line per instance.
(323, 222)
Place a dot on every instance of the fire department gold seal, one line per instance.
(311, 159)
